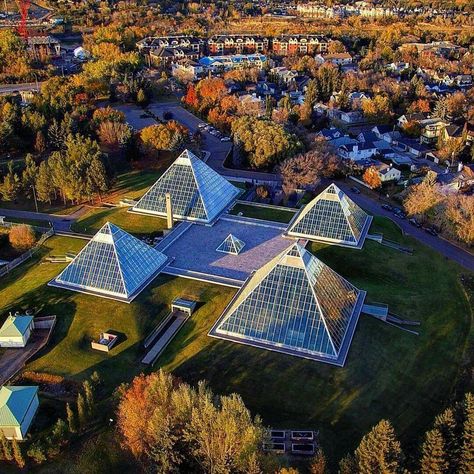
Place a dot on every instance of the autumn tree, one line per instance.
(10, 188)
(466, 464)
(423, 199)
(71, 419)
(265, 143)
(191, 98)
(305, 171)
(371, 177)
(460, 214)
(379, 452)
(433, 460)
(18, 454)
(377, 109)
(319, 463)
(173, 427)
(160, 137)
(210, 91)
(22, 237)
(114, 134)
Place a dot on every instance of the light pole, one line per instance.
(34, 195)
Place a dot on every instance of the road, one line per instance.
(450, 251)
(25, 86)
(61, 223)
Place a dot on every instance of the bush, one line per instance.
(22, 237)
(36, 452)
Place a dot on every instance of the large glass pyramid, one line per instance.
(197, 192)
(331, 217)
(113, 264)
(297, 305)
(231, 245)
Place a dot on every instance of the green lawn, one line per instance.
(389, 373)
(82, 317)
(94, 219)
(265, 213)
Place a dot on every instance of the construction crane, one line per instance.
(23, 6)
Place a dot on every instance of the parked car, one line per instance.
(414, 222)
(431, 231)
(225, 139)
(355, 190)
(387, 207)
(202, 125)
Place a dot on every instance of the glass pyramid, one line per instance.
(113, 264)
(232, 245)
(294, 304)
(331, 217)
(197, 192)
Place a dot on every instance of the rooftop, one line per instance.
(14, 404)
(15, 326)
(194, 252)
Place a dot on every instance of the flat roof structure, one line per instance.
(197, 192)
(113, 264)
(331, 217)
(297, 305)
(193, 249)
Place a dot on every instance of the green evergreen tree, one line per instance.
(71, 419)
(5, 447)
(60, 431)
(433, 458)
(347, 465)
(446, 424)
(89, 398)
(311, 95)
(18, 454)
(29, 175)
(81, 411)
(11, 184)
(466, 464)
(45, 191)
(379, 451)
(142, 99)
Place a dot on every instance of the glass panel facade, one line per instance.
(299, 304)
(281, 311)
(112, 262)
(331, 215)
(197, 191)
(231, 245)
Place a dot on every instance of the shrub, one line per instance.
(22, 237)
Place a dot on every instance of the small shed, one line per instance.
(16, 331)
(18, 406)
(186, 306)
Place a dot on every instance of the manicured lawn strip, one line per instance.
(95, 218)
(265, 213)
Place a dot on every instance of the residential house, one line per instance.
(265, 89)
(347, 117)
(44, 46)
(16, 331)
(431, 129)
(252, 105)
(179, 42)
(357, 151)
(283, 74)
(331, 133)
(385, 132)
(339, 59)
(186, 69)
(458, 180)
(167, 56)
(18, 406)
(299, 44)
(234, 61)
(237, 44)
(408, 118)
(387, 172)
(412, 146)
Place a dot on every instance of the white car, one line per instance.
(225, 139)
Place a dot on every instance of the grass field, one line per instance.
(94, 219)
(265, 213)
(389, 373)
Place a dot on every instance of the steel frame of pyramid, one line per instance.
(281, 300)
(344, 224)
(113, 264)
(198, 193)
(231, 245)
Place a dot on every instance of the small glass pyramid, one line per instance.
(113, 264)
(231, 245)
(297, 305)
(331, 217)
(197, 192)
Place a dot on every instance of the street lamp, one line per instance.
(34, 195)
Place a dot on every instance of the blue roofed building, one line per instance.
(18, 406)
(16, 331)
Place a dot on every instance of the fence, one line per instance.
(25, 256)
